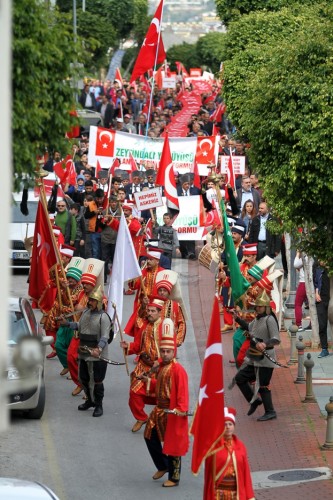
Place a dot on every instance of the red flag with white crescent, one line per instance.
(151, 44)
(205, 150)
(105, 142)
(208, 422)
(43, 255)
(166, 177)
(132, 164)
(98, 168)
(196, 180)
(230, 173)
(115, 164)
(71, 172)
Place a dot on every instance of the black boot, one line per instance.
(98, 411)
(98, 396)
(270, 413)
(86, 405)
(254, 406)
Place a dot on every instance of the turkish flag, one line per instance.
(151, 44)
(230, 173)
(212, 221)
(75, 129)
(208, 422)
(218, 113)
(71, 172)
(181, 69)
(205, 150)
(196, 180)
(60, 170)
(105, 142)
(158, 77)
(132, 164)
(43, 255)
(119, 79)
(115, 164)
(98, 168)
(166, 177)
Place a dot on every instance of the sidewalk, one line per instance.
(293, 440)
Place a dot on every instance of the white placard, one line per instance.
(169, 82)
(238, 163)
(148, 199)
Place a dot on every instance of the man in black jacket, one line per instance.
(268, 243)
(106, 108)
(246, 193)
(321, 284)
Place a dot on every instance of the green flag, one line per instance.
(239, 284)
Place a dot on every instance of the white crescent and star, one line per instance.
(109, 137)
(202, 394)
(205, 141)
(42, 245)
(169, 187)
(214, 349)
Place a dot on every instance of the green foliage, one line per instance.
(185, 53)
(104, 24)
(42, 96)
(278, 88)
(231, 10)
(97, 35)
(209, 50)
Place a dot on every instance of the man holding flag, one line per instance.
(232, 478)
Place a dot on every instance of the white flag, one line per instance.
(125, 267)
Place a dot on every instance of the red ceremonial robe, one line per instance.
(241, 465)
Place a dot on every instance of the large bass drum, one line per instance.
(205, 259)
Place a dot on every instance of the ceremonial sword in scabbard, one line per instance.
(87, 349)
(179, 413)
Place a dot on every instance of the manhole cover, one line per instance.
(295, 475)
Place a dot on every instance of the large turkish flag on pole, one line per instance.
(152, 50)
(208, 422)
(43, 254)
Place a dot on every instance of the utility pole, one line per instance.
(5, 130)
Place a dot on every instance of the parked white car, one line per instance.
(20, 489)
(23, 323)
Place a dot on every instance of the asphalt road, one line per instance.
(83, 458)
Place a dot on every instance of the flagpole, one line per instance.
(154, 70)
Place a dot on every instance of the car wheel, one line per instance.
(37, 412)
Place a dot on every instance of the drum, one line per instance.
(205, 259)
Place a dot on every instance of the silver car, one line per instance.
(23, 323)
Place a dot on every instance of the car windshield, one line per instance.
(17, 327)
(17, 215)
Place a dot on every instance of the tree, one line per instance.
(105, 24)
(43, 51)
(285, 107)
(209, 52)
(185, 53)
(231, 10)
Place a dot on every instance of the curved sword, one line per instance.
(87, 349)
